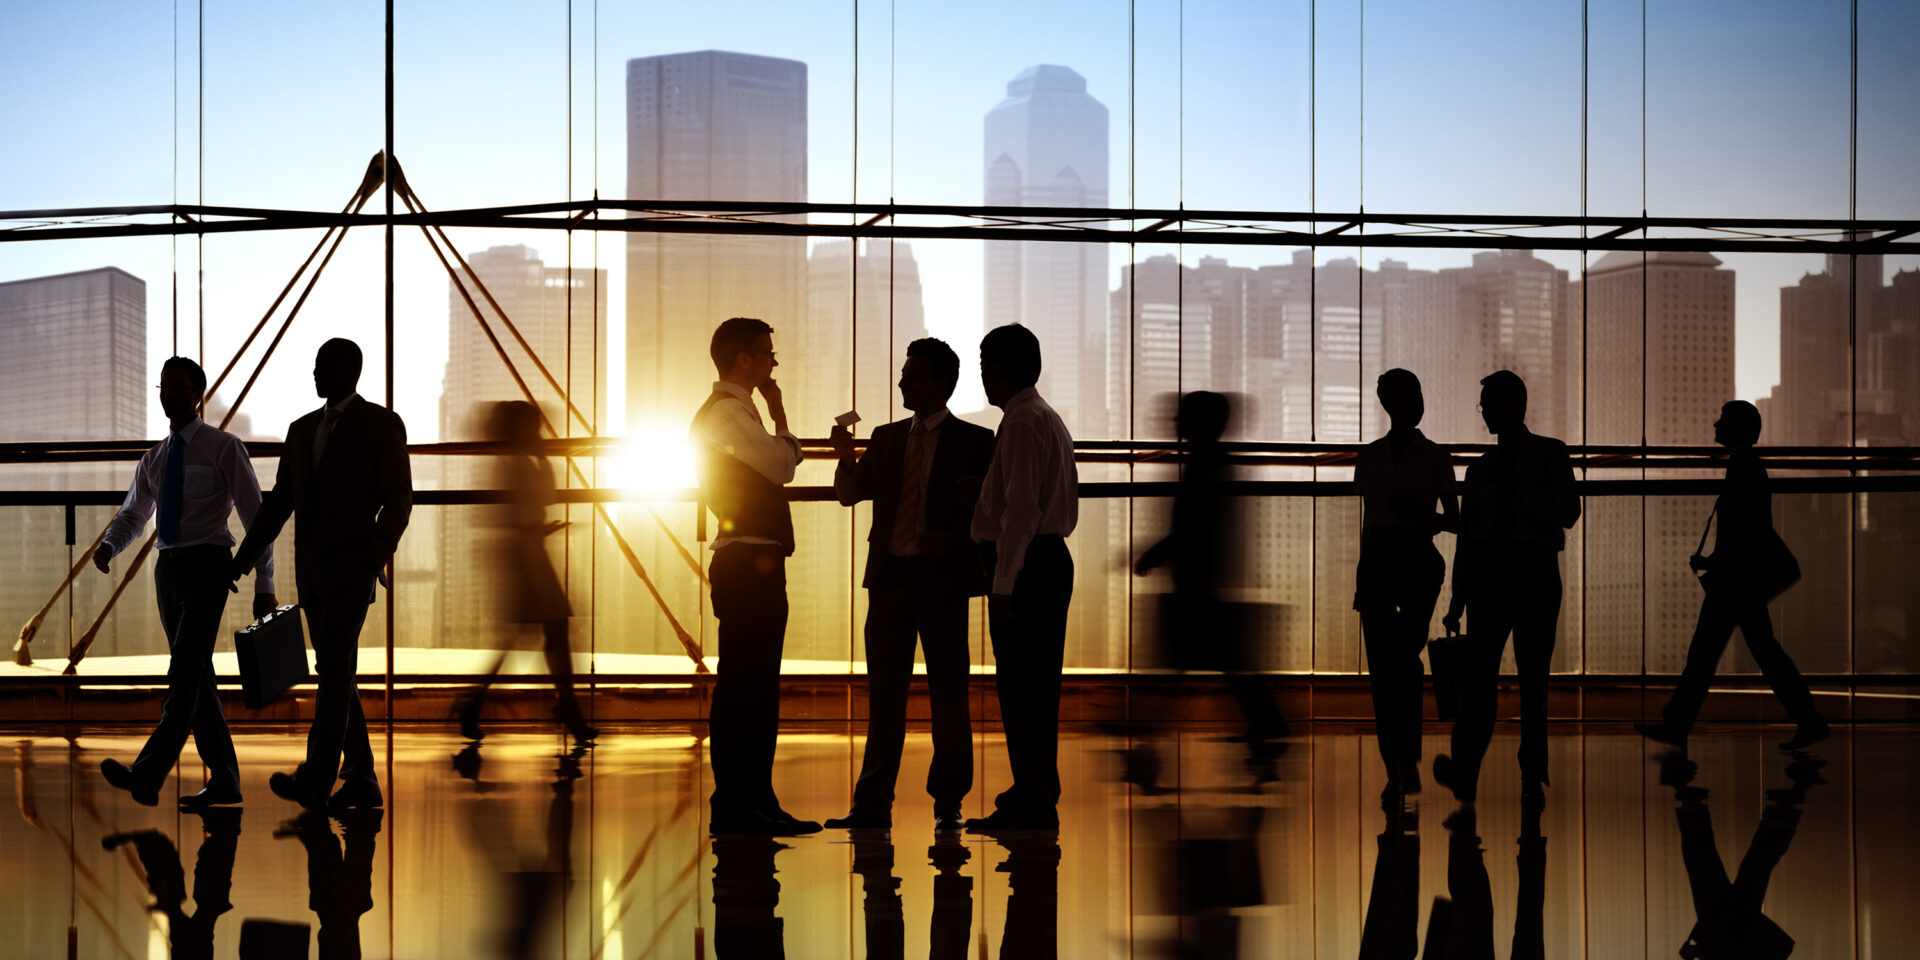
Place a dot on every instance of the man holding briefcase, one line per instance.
(193, 479)
(345, 472)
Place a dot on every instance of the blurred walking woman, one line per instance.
(1749, 566)
(530, 590)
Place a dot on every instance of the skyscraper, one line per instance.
(860, 317)
(709, 125)
(1046, 145)
(537, 298)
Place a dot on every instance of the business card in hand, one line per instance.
(847, 419)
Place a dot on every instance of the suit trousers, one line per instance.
(1522, 598)
(337, 742)
(911, 603)
(1720, 612)
(191, 583)
(1397, 585)
(1028, 650)
(750, 601)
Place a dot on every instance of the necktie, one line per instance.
(328, 417)
(170, 490)
(909, 519)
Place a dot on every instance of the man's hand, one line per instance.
(263, 604)
(842, 440)
(236, 570)
(103, 558)
(1452, 621)
(999, 607)
(776, 408)
(1697, 562)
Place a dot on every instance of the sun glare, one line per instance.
(656, 462)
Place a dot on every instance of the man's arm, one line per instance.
(395, 485)
(1566, 496)
(275, 509)
(853, 478)
(1020, 445)
(243, 485)
(132, 517)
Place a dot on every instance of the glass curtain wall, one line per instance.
(1303, 112)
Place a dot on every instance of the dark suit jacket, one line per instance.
(353, 505)
(963, 450)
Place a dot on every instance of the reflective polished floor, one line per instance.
(1188, 846)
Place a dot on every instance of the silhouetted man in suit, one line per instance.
(1736, 578)
(1029, 503)
(344, 473)
(1519, 502)
(742, 470)
(193, 480)
(922, 474)
(1400, 477)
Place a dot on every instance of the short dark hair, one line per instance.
(945, 362)
(732, 337)
(1505, 385)
(1395, 381)
(1204, 415)
(193, 371)
(1015, 350)
(1743, 418)
(347, 351)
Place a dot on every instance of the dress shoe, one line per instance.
(948, 822)
(568, 712)
(118, 775)
(1807, 735)
(791, 825)
(356, 795)
(858, 819)
(210, 796)
(288, 787)
(752, 823)
(1447, 776)
(1663, 733)
(1009, 820)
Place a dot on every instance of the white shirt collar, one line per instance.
(1022, 398)
(931, 421)
(341, 407)
(186, 433)
(734, 390)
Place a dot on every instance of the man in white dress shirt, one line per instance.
(742, 470)
(1029, 503)
(193, 478)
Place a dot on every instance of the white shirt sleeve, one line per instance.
(1019, 459)
(137, 508)
(734, 429)
(244, 486)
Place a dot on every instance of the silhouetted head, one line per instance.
(1203, 416)
(1400, 395)
(928, 377)
(336, 369)
(182, 384)
(1503, 401)
(515, 422)
(742, 351)
(1009, 362)
(1738, 426)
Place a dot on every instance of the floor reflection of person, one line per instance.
(530, 591)
(1730, 922)
(190, 935)
(1520, 500)
(339, 874)
(951, 929)
(1465, 922)
(1400, 478)
(1740, 577)
(745, 896)
(1391, 930)
(1032, 867)
(880, 904)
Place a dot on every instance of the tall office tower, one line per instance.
(710, 125)
(1046, 145)
(73, 366)
(1313, 347)
(563, 316)
(1508, 311)
(1172, 333)
(1659, 365)
(860, 317)
(1819, 316)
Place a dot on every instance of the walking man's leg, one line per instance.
(192, 597)
(1710, 635)
(943, 636)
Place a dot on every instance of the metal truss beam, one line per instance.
(1027, 224)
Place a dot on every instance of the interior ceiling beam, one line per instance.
(1025, 224)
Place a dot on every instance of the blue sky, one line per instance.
(1416, 106)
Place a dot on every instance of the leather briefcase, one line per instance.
(273, 656)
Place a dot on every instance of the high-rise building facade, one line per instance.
(562, 313)
(861, 314)
(1046, 145)
(708, 125)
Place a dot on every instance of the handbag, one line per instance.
(1768, 571)
(273, 656)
